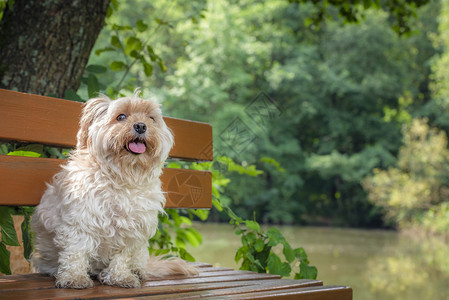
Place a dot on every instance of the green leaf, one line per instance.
(250, 257)
(121, 27)
(201, 213)
(147, 68)
(253, 225)
(250, 238)
(132, 44)
(307, 272)
(186, 255)
(275, 237)
(26, 235)
(72, 95)
(233, 216)
(259, 245)
(193, 237)
(272, 162)
(117, 66)
(24, 153)
(141, 26)
(162, 66)
(239, 254)
(106, 49)
(109, 12)
(173, 165)
(160, 21)
(9, 235)
(4, 149)
(34, 148)
(276, 266)
(96, 69)
(234, 167)
(92, 86)
(185, 220)
(217, 204)
(288, 253)
(159, 252)
(152, 54)
(180, 240)
(115, 41)
(301, 254)
(4, 260)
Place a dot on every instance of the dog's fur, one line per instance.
(96, 216)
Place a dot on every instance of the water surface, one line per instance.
(377, 264)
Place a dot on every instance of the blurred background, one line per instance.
(347, 122)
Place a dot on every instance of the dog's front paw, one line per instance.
(127, 280)
(73, 282)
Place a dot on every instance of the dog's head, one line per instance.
(129, 131)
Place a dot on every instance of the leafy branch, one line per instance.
(258, 252)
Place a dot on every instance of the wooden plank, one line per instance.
(308, 293)
(196, 280)
(270, 287)
(201, 265)
(108, 292)
(215, 269)
(27, 287)
(22, 182)
(187, 188)
(41, 281)
(52, 121)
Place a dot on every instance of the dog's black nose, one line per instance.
(140, 127)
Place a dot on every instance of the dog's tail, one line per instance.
(158, 266)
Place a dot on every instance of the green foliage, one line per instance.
(9, 235)
(436, 220)
(339, 97)
(258, 254)
(352, 11)
(415, 192)
(174, 223)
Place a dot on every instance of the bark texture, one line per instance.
(45, 45)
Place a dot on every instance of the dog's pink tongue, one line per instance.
(137, 147)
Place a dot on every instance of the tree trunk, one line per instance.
(45, 45)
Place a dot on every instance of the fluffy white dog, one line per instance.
(97, 215)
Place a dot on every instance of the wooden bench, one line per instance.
(54, 122)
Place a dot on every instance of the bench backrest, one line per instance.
(54, 122)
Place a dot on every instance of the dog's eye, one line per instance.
(152, 118)
(121, 117)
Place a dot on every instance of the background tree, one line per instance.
(343, 93)
(45, 45)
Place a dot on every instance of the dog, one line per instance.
(97, 214)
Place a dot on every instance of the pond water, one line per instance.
(377, 264)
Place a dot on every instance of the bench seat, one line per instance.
(212, 282)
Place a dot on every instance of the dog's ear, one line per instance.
(93, 109)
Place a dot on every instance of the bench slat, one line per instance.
(262, 287)
(307, 293)
(52, 121)
(22, 182)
